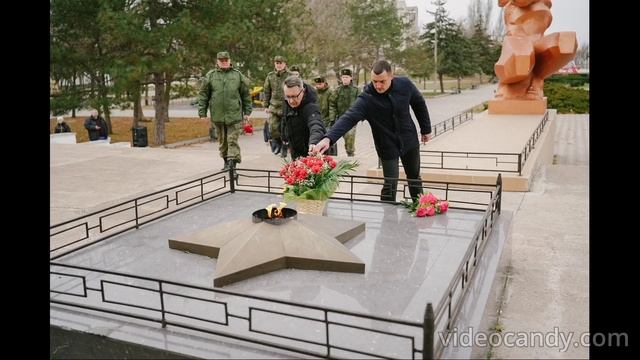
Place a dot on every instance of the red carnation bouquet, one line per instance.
(314, 177)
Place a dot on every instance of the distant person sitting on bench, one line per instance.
(96, 126)
(61, 127)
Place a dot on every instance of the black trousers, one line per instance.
(411, 163)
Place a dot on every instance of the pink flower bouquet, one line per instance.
(427, 205)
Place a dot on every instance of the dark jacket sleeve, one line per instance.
(104, 128)
(348, 120)
(419, 107)
(314, 123)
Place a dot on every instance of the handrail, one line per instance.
(255, 180)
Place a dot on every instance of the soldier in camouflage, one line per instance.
(339, 103)
(274, 98)
(324, 94)
(224, 91)
(295, 70)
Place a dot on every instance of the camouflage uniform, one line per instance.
(339, 103)
(225, 93)
(324, 95)
(323, 100)
(274, 97)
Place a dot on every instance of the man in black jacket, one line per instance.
(385, 104)
(96, 126)
(301, 125)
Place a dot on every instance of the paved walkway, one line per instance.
(544, 264)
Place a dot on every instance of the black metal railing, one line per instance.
(447, 125)
(484, 161)
(531, 143)
(456, 292)
(73, 285)
(450, 123)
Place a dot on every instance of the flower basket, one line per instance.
(312, 180)
(312, 207)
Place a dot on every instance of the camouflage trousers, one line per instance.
(274, 126)
(350, 141)
(228, 141)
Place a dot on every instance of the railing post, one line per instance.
(520, 164)
(499, 185)
(232, 179)
(326, 333)
(135, 205)
(201, 189)
(164, 321)
(428, 330)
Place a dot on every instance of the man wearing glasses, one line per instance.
(224, 91)
(301, 125)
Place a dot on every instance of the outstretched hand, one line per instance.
(320, 147)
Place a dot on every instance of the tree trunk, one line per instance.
(75, 91)
(137, 106)
(146, 95)
(104, 101)
(160, 106)
(459, 84)
(167, 93)
(441, 83)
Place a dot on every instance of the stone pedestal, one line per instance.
(500, 106)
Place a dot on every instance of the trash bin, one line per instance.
(139, 136)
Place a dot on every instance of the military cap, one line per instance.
(295, 68)
(279, 58)
(319, 80)
(345, 72)
(223, 55)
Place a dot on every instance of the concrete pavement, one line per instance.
(542, 285)
(543, 279)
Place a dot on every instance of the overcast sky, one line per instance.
(568, 15)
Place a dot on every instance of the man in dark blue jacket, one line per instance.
(385, 103)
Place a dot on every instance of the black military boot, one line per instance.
(283, 151)
(226, 165)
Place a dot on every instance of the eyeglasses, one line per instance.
(294, 96)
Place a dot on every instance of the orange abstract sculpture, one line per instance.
(528, 57)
